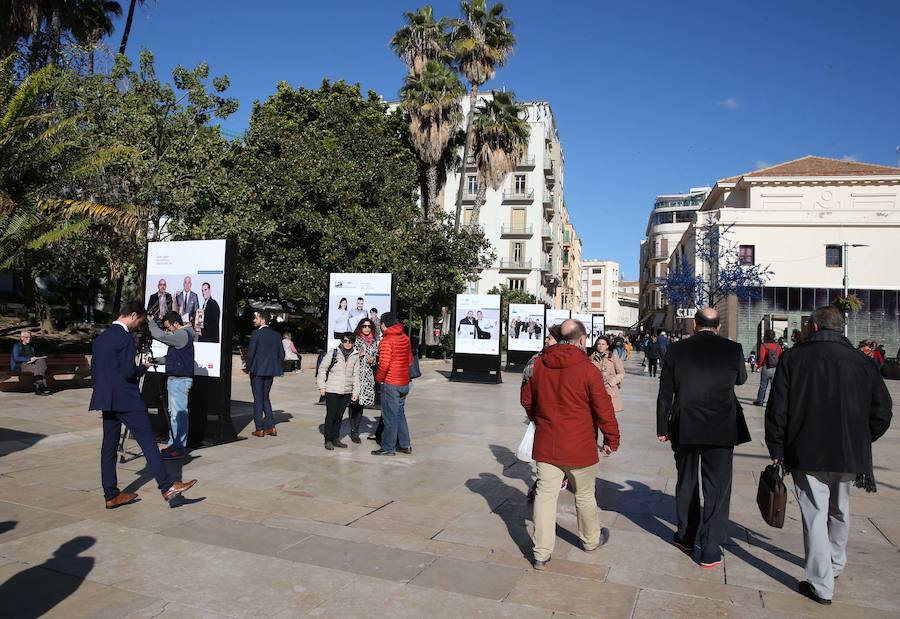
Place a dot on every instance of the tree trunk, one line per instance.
(430, 204)
(117, 299)
(473, 97)
(55, 35)
(480, 199)
(41, 308)
(127, 30)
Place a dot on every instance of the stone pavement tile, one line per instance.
(376, 522)
(796, 603)
(889, 527)
(240, 514)
(560, 565)
(247, 537)
(230, 582)
(18, 521)
(646, 579)
(479, 579)
(359, 558)
(654, 604)
(573, 595)
(33, 591)
(757, 568)
(489, 530)
(368, 597)
(163, 609)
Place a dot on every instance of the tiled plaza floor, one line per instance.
(279, 527)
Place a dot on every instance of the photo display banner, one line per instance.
(586, 320)
(557, 316)
(477, 324)
(354, 296)
(189, 277)
(527, 327)
(598, 322)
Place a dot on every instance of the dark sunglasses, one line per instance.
(365, 326)
(347, 340)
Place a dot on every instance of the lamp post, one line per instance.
(846, 259)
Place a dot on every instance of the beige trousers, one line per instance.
(582, 481)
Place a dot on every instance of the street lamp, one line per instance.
(846, 256)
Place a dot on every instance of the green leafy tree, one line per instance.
(513, 296)
(499, 139)
(431, 99)
(482, 41)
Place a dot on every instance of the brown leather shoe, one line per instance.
(259, 433)
(271, 432)
(177, 488)
(123, 498)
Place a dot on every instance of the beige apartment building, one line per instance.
(569, 295)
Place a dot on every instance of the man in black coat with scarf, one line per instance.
(699, 413)
(828, 404)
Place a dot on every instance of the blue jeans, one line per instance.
(393, 412)
(179, 386)
(765, 376)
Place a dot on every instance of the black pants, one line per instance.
(652, 363)
(335, 405)
(356, 415)
(715, 465)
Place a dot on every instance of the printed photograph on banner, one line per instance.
(352, 297)
(188, 277)
(598, 322)
(477, 329)
(526, 328)
(586, 320)
(557, 316)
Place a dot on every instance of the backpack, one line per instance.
(330, 365)
(771, 355)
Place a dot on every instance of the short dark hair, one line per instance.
(705, 322)
(575, 330)
(374, 309)
(265, 315)
(770, 335)
(132, 307)
(206, 284)
(389, 319)
(173, 317)
(828, 318)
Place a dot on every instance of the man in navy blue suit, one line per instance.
(115, 380)
(264, 362)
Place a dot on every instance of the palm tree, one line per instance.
(94, 23)
(499, 139)
(481, 42)
(128, 21)
(432, 101)
(422, 39)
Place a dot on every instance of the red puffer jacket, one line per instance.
(567, 402)
(394, 357)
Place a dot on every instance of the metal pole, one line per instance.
(846, 248)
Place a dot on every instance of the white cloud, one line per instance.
(760, 164)
(850, 158)
(731, 103)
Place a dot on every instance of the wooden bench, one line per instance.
(63, 370)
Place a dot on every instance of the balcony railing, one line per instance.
(549, 167)
(546, 231)
(512, 263)
(516, 230)
(548, 197)
(518, 196)
(468, 196)
(525, 162)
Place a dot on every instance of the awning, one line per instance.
(659, 320)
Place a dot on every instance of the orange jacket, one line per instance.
(394, 357)
(567, 401)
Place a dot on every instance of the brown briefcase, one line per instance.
(772, 495)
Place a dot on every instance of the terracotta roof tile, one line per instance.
(818, 166)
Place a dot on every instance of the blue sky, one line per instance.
(650, 97)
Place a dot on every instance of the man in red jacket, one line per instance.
(567, 402)
(394, 359)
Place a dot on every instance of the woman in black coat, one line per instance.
(652, 354)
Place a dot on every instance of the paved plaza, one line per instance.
(279, 527)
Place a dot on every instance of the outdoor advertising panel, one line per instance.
(189, 277)
(586, 320)
(598, 327)
(477, 329)
(354, 296)
(527, 327)
(557, 316)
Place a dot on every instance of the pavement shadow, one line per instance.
(654, 511)
(16, 440)
(174, 467)
(8, 525)
(242, 415)
(37, 590)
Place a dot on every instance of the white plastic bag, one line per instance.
(523, 453)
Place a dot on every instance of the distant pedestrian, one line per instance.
(291, 354)
(338, 382)
(566, 400)
(767, 362)
(628, 349)
(367, 349)
(652, 354)
(619, 345)
(699, 414)
(264, 362)
(26, 360)
(751, 361)
(394, 360)
(611, 368)
(663, 341)
(828, 405)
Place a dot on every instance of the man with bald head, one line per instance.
(566, 399)
(186, 301)
(698, 413)
(160, 301)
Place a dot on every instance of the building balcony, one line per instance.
(525, 162)
(549, 166)
(546, 231)
(511, 264)
(513, 230)
(468, 198)
(518, 196)
(548, 197)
